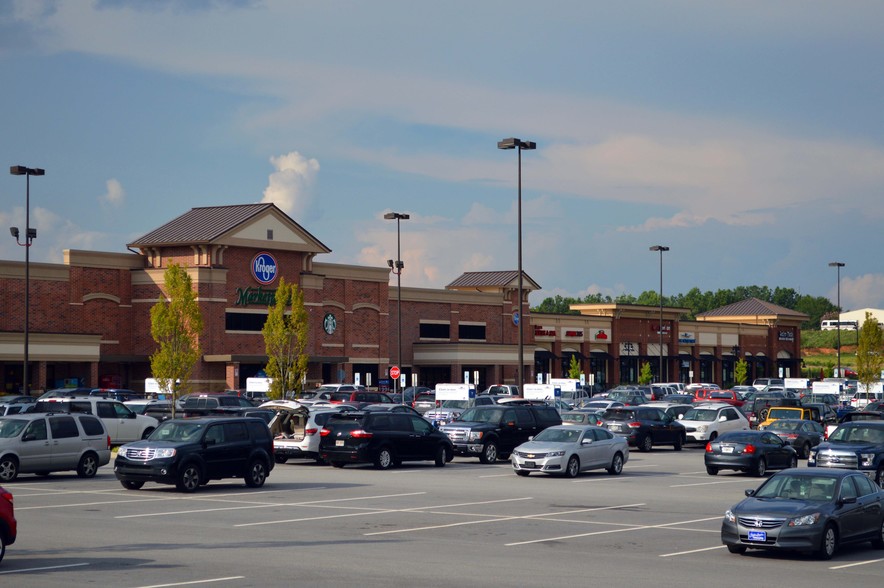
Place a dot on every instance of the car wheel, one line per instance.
(879, 477)
(878, 542)
(8, 469)
(384, 459)
(740, 549)
(280, 458)
(678, 444)
(805, 450)
(256, 474)
(88, 466)
(440, 456)
(523, 473)
(320, 461)
(338, 464)
(147, 432)
(573, 467)
(713, 436)
(188, 478)
(129, 485)
(489, 453)
(616, 464)
(712, 471)
(828, 543)
(793, 463)
(2, 546)
(646, 443)
(760, 468)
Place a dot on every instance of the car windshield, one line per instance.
(698, 414)
(623, 396)
(574, 418)
(455, 403)
(785, 425)
(553, 435)
(177, 431)
(482, 415)
(10, 428)
(872, 435)
(781, 413)
(812, 488)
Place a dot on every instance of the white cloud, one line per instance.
(866, 291)
(290, 186)
(115, 194)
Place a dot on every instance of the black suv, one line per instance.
(198, 405)
(190, 452)
(644, 427)
(385, 438)
(492, 432)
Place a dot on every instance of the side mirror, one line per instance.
(531, 438)
(750, 492)
(586, 442)
(29, 437)
(847, 500)
(210, 441)
(722, 418)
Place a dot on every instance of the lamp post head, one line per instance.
(836, 264)
(513, 143)
(13, 231)
(20, 170)
(390, 263)
(660, 248)
(396, 215)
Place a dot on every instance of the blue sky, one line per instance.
(746, 136)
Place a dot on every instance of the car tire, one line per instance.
(256, 474)
(738, 549)
(805, 450)
(280, 458)
(646, 444)
(489, 453)
(2, 546)
(712, 471)
(572, 470)
(147, 432)
(878, 542)
(8, 469)
(616, 464)
(828, 543)
(338, 464)
(879, 476)
(523, 473)
(88, 466)
(678, 444)
(441, 454)
(793, 463)
(760, 468)
(188, 478)
(131, 485)
(384, 459)
(713, 436)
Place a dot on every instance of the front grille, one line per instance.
(760, 523)
(457, 434)
(831, 459)
(139, 453)
(530, 455)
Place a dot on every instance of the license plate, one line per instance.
(727, 449)
(339, 443)
(530, 464)
(614, 426)
(757, 535)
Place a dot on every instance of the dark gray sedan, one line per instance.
(807, 509)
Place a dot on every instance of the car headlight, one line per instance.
(811, 458)
(164, 453)
(475, 435)
(805, 520)
(702, 428)
(866, 460)
(555, 454)
(729, 516)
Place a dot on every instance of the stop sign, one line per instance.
(394, 372)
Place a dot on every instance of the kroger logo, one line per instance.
(264, 268)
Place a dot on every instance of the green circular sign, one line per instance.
(329, 323)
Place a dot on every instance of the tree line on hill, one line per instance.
(816, 307)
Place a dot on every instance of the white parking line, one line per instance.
(856, 563)
(577, 536)
(692, 551)
(706, 483)
(192, 582)
(22, 571)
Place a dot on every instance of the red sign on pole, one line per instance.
(395, 372)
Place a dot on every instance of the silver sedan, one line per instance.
(567, 450)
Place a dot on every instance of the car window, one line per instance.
(63, 427)
(602, 434)
(234, 432)
(85, 407)
(259, 431)
(848, 490)
(524, 418)
(864, 486)
(401, 422)
(420, 425)
(37, 429)
(91, 425)
(381, 422)
(105, 410)
(121, 410)
(216, 433)
(771, 439)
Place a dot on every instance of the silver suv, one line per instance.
(41, 443)
(122, 423)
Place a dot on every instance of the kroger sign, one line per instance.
(264, 268)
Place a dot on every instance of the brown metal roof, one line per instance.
(753, 307)
(492, 280)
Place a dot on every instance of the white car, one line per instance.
(567, 450)
(295, 429)
(706, 421)
(122, 423)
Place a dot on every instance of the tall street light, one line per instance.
(30, 235)
(518, 144)
(661, 249)
(396, 268)
(838, 265)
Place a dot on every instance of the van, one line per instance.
(861, 399)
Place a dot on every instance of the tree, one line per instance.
(285, 339)
(741, 370)
(869, 352)
(645, 376)
(175, 324)
(574, 368)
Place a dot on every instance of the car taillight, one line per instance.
(709, 448)
(634, 425)
(749, 449)
(360, 434)
(108, 442)
(7, 496)
(324, 432)
(310, 431)
(790, 435)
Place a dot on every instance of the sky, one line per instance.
(746, 136)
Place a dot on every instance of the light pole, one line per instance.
(838, 265)
(518, 144)
(661, 249)
(396, 268)
(30, 235)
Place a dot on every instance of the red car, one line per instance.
(8, 528)
(728, 396)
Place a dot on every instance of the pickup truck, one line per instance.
(857, 445)
(492, 432)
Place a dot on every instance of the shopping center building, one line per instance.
(89, 319)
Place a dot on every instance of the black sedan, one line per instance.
(644, 427)
(754, 452)
(807, 509)
(802, 434)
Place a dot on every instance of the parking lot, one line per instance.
(658, 523)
